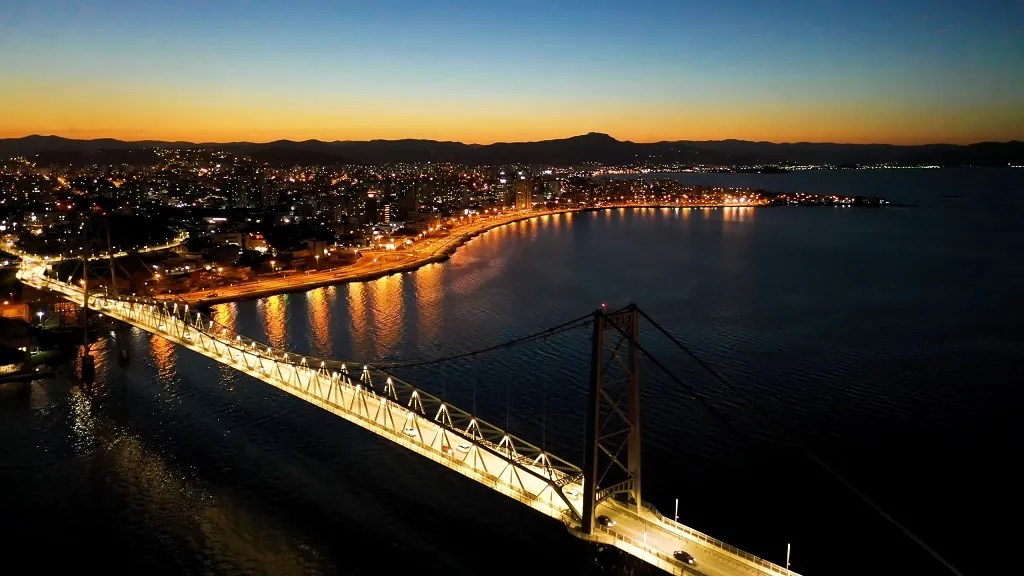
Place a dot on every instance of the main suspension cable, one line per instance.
(580, 322)
(786, 432)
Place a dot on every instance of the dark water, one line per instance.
(887, 341)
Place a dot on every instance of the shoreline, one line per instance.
(331, 277)
(337, 276)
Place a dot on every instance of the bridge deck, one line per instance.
(427, 426)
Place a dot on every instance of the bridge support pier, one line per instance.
(88, 368)
(612, 429)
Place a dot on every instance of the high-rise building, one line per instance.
(268, 196)
(524, 194)
(372, 206)
(242, 200)
(553, 188)
(505, 193)
(411, 193)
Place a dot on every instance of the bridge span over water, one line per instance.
(607, 487)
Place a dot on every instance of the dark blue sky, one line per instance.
(910, 71)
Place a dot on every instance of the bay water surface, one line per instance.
(888, 342)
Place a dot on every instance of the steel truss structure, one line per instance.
(378, 401)
(367, 396)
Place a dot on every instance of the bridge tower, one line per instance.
(88, 369)
(612, 460)
(102, 226)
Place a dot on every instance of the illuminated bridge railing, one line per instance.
(364, 395)
(710, 542)
(420, 422)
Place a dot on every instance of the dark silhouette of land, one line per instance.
(593, 147)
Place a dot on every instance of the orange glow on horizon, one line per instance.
(130, 113)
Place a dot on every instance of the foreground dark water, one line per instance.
(887, 341)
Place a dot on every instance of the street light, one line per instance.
(317, 262)
(40, 314)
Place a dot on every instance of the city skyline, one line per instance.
(919, 73)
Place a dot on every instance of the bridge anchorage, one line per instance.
(600, 502)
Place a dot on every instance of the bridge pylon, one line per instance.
(100, 228)
(612, 460)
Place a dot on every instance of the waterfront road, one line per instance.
(376, 263)
(371, 264)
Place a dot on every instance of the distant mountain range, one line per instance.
(593, 147)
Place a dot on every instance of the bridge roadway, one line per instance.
(427, 426)
(180, 238)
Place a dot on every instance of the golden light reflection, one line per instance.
(534, 227)
(228, 376)
(320, 321)
(429, 285)
(479, 263)
(83, 422)
(226, 315)
(735, 215)
(385, 295)
(358, 316)
(163, 357)
(226, 528)
(99, 355)
(272, 314)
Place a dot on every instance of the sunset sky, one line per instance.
(897, 71)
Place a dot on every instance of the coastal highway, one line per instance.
(371, 263)
(429, 249)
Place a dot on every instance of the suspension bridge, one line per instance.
(599, 502)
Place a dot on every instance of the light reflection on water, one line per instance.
(429, 282)
(273, 314)
(235, 477)
(388, 313)
(83, 423)
(230, 536)
(360, 321)
(319, 315)
(164, 352)
(225, 315)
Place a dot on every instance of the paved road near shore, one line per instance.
(373, 263)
